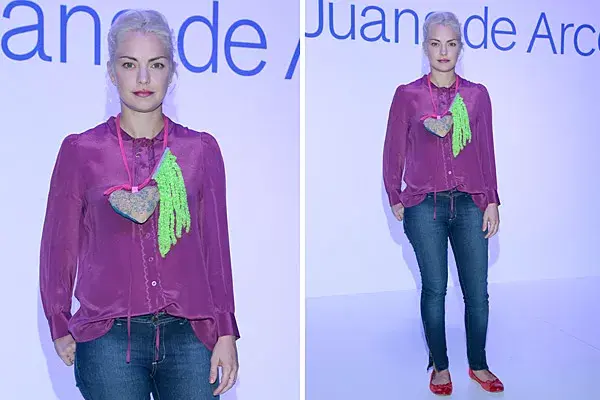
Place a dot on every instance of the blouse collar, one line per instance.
(426, 83)
(158, 138)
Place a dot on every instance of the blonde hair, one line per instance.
(444, 18)
(144, 21)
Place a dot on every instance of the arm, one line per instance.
(214, 231)
(60, 239)
(485, 131)
(394, 149)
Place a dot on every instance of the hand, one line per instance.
(491, 220)
(224, 356)
(398, 211)
(65, 348)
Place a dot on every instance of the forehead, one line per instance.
(442, 32)
(139, 44)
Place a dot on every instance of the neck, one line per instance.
(443, 79)
(142, 125)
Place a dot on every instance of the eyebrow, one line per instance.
(448, 41)
(135, 59)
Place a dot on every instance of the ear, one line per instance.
(111, 73)
(173, 71)
(425, 50)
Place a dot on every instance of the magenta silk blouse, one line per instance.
(424, 161)
(114, 264)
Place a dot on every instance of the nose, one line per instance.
(143, 76)
(444, 49)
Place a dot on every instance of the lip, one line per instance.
(143, 93)
(444, 60)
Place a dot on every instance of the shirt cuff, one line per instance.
(492, 197)
(59, 325)
(227, 325)
(394, 197)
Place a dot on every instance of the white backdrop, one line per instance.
(546, 139)
(254, 118)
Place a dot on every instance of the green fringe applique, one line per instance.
(174, 214)
(461, 134)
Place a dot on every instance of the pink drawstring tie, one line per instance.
(435, 109)
(128, 358)
(130, 186)
(156, 344)
(135, 189)
(436, 116)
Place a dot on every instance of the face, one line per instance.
(142, 71)
(442, 48)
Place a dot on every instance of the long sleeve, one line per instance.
(60, 239)
(214, 231)
(394, 149)
(488, 159)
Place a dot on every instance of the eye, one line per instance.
(434, 44)
(158, 65)
(128, 65)
(453, 44)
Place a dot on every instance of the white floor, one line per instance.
(543, 342)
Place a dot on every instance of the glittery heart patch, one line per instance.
(138, 206)
(439, 127)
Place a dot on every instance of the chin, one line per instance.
(143, 109)
(445, 67)
(147, 106)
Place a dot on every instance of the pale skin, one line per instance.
(443, 45)
(142, 64)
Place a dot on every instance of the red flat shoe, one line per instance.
(493, 386)
(444, 389)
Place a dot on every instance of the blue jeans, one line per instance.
(180, 373)
(458, 219)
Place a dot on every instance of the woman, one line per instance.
(136, 211)
(440, 133)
